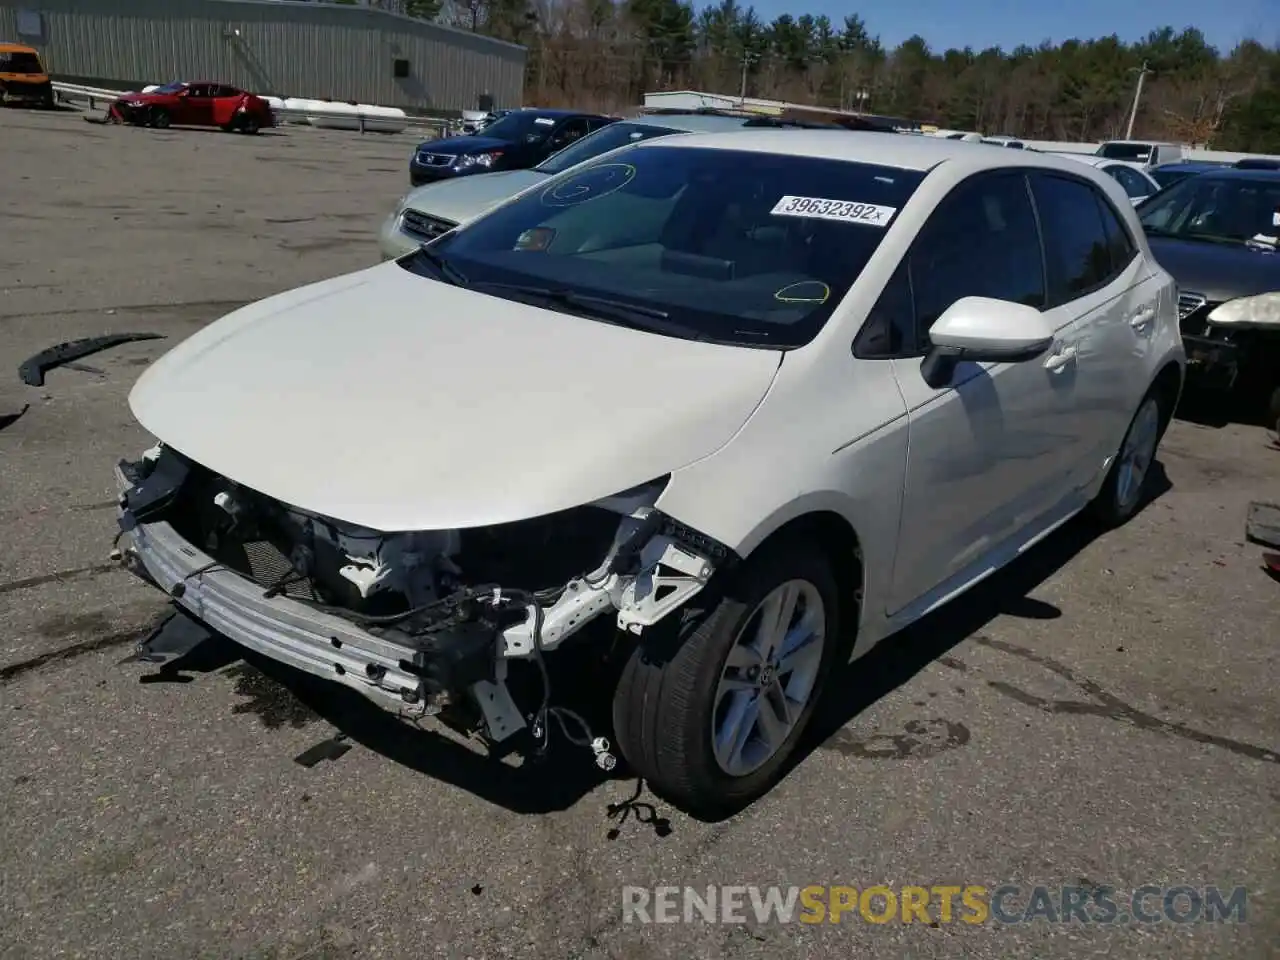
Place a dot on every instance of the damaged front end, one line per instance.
(419, 622)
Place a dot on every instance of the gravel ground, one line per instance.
(1103, 713)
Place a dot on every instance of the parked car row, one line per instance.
(823, 381)
(437, 206)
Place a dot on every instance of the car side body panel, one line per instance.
(849, 454)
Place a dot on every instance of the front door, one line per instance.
(987, 450)
(196, 106)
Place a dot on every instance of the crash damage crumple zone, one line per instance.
(420, 622)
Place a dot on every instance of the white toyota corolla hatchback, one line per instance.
(732, 408)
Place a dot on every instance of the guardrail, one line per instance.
(93, 95)
(326, 114)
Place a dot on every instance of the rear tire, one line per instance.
(249, 125)
(675, 704)
(1128, 482)
(158, 117)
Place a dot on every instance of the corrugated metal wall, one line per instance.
(269, 47)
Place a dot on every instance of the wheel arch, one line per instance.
(1168, 385)
(839, 542)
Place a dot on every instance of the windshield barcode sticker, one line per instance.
(846, 211)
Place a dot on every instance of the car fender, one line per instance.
(830, 436)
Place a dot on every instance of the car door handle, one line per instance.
(1061, 360)
(1142, 319)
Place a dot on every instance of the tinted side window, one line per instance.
(1074, 239)
(569, 131)
(981, 241)
(1120, 243)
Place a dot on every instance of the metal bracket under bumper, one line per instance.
(308, 640)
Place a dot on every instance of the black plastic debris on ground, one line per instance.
(330, 749)
(32, 371)
(9, 419)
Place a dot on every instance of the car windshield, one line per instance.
(729, 246)
(20, 61)
(602, 141)
(530, 127)
(1215, 209)
(170, 88)
(1125, 151)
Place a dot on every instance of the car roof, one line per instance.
(692, 122)
(1234, 173)
(1095, 161)
(17, 48)
(1192, 165)
(904, 152)
(556, 112)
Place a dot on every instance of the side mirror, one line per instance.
(982, 330)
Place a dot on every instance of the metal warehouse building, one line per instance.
(273, 47)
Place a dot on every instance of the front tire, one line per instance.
(1128, 482)
(712, 703)
(158, 117)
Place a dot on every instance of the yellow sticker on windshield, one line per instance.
(806, 291)
(590, 184)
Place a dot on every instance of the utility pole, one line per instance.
(748, 58)
(1137, 95)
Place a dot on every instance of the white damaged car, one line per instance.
(738, 406)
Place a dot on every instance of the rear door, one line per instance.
(1102, 292)
(225, 101)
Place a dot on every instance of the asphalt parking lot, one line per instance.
(1104, 713)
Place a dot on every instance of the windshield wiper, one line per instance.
(571, 298)
(447, 270)
(619, 312)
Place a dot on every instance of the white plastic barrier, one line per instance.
(296, 110)
(364, 117)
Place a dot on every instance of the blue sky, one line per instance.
(1007, 23)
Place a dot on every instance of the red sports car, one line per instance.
(201, 104)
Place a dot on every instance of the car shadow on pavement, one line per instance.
(899, 658)
(1209, 408)
(280, 696)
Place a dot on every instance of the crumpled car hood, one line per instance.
(396, 402)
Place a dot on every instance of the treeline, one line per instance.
(603, 54)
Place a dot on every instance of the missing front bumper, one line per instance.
(655, 566)
(400, 678)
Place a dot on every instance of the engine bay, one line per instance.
(462, 602)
